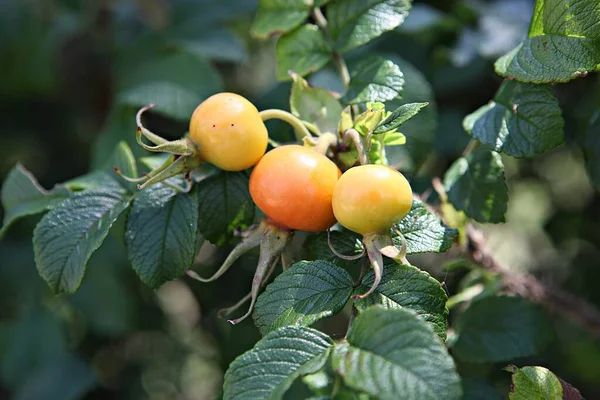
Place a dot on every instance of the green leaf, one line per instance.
(539, 383)
(353, 23)
(216, 44)
(392, 352)
(345, 242)
(523, 120)
(268, 370)
(275, 17)
(405, 286)
(68, 235)
(394, 139)
(303, 294)
(475, 184)
(315, 105)
(172, 100)
(564, 43)
(374, 79)
(424, 231)
(502, 328)
(22, 195)
(161, 235)
(224, 204)
(303, 50)
(398, 117)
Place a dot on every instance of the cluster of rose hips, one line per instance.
(298, 188)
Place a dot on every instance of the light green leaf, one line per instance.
(392, 352)
(224, 204)
(374, 79)
(502, 328)
(475, 185)
(275, 17)
(538, 383)
(22, 195)
(394, 139)
(315, 105)
(68, 235)
(162, 233)
(564, 43)
(172, 100)
(303, 294)
(523, 120)
(398, 117)
(303, 50)
(424, 231)
(268, 370)
(353, 23)
(406, 286)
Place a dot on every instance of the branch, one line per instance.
(527, 286)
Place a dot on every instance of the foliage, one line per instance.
(116, 258)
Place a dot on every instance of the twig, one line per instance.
(527, 286)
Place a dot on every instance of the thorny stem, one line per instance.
(299, 127)
(354, 136)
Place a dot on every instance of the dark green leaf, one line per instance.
(539, 383)
(353, 23)
(303, 294)
(224, 204)
(65, 378)
(424, 231)
(478, 389)
(66, 237)
(405, 286)
(398, 117)
(21, 195)
(374, 79)
(304, 50)
(275, 17)
(344, 242)
(475, 184)
(315, 105)
(161, 234)
(392, 352)
(268, 370)
(215, 44)
(564, 43)
(496, 329)
(523, 120)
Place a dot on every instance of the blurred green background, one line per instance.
(74, 72)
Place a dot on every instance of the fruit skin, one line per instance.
(293, 186)
(229, 132)
(371, 198)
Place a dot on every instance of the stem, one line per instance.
(471, 146)
(363, 154)
(299, 127)
(324, 142)
(338, 60)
